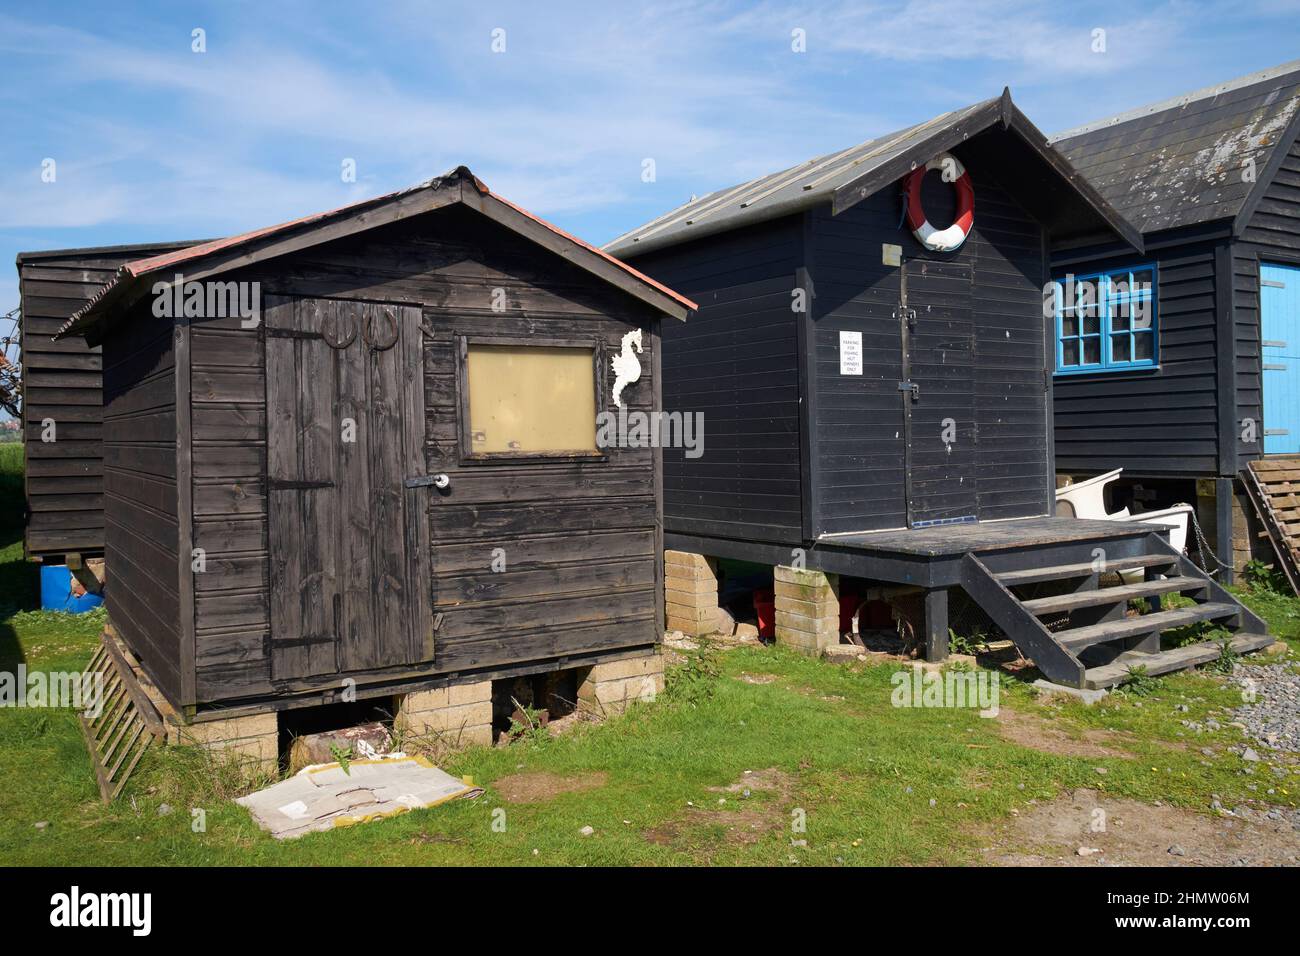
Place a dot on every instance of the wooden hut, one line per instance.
(871, 358)
(385, 478)
(63, 399)
(1212, 180)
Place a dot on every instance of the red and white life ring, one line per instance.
(941, 240)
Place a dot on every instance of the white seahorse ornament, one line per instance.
(627, 368)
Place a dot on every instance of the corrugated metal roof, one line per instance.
(139, 268)
(1181, 161)
(799, 187)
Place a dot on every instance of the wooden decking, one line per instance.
(1054, 586)
(981, 536)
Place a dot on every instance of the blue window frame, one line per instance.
(1106, 321)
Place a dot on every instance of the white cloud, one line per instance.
(601, 96)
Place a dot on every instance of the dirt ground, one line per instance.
(541, 786)
(1119, 832)
(745, 820)
(1035, 733)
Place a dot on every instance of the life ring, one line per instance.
(940, 240)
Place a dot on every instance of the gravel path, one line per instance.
(1273, 717)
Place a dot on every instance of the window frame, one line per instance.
(465, 433)
(1106, 331)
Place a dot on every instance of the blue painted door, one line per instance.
(1279, 301)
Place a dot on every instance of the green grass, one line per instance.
(863, 772)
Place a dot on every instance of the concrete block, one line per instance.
(687, 591)
(694, 627)
(1087, 695)
(631, 667)
(229, 728)
(690, 593)
(702, 612)
(841, 653)
(645, 687)
(690, 561)
(612, 687)
(439, 698)
(444, 719)
(809, 625)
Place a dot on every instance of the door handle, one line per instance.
(423, 481)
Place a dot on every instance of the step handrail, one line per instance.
(1251, 623)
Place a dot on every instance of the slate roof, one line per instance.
(1179, 162)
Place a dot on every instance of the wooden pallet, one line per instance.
(1273, 486)
(126, 722)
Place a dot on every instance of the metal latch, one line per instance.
(910, 387)
(424, 481)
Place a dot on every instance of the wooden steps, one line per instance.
(1165, 662)
(1116, 595)
(1078, 638)
(1273, 486)
(1088, 610)
(1059, 572)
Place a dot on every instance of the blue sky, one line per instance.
(154, 142)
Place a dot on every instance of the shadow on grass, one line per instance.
(19, 581)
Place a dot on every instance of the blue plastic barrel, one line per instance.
(56, 591)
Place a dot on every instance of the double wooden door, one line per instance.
(348, 539)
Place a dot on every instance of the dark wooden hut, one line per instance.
(880, 409)
(1212, 180)
(387, 477)
(62, 388)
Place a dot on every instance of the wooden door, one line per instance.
(1279, 303)
(939, 402)
(348, 540)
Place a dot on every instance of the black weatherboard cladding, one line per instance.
(745, 362)
(977, 355)
(1213, 179)
(736, 362)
